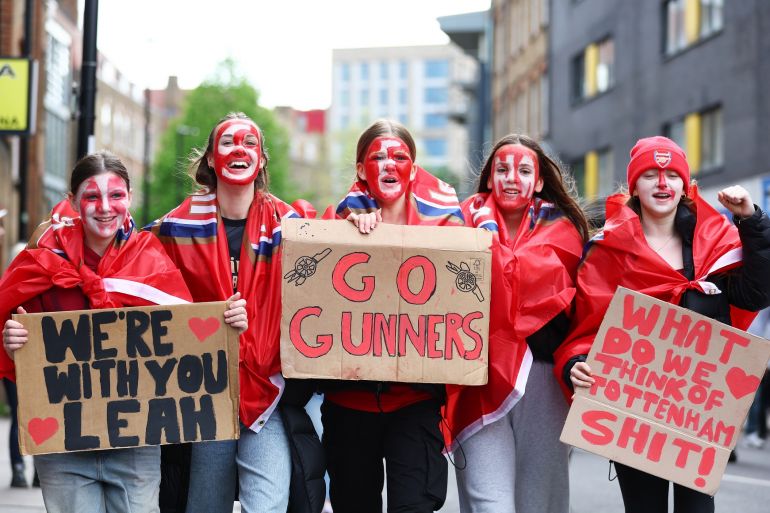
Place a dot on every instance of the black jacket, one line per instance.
(307, 491)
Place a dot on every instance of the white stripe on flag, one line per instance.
(142, 290)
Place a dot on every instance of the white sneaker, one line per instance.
(754, 441)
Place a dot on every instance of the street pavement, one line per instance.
(745, 486)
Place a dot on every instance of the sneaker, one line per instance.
(733, 457)
(18, 479)
(754, 441)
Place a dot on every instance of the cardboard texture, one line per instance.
(672, 390)
(403, 303)
(127, 377)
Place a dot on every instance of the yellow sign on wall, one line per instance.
(15, 80)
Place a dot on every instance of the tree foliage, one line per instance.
(226, 91)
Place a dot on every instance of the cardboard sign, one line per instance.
(403, 303)
(113, 378)
(672, 390)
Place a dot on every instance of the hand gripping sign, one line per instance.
(672, 390)
(127, 377)
(404, 303)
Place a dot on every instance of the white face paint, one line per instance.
(514, 177)
(237, 152)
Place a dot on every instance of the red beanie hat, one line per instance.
(657, 153)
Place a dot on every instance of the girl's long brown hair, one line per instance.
(558, 188)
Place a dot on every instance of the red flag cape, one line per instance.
(620, 256)
(431, 201)
(134, 271)
(195, 239)
(534, 281)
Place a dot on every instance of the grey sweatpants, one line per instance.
(517, 464)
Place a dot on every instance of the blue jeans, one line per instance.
(110, 481)
(263, 462)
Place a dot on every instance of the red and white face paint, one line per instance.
(103, 201)
(237, 152)
(387, 168)
(515, 177)
(659, 191)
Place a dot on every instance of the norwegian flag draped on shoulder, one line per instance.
(431, 201)
(620, 256)
(134, 271)
(533, 282)
(195, 239)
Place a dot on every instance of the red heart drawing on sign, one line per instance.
(740, 383)
(42, 429)
(203, 328)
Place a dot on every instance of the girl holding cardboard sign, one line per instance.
(94, 259)
(509, 428)
(665, 241)
(365, 422)
(226, 238)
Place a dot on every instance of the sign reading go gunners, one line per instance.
(403, 303)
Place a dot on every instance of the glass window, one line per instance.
(345, 71)
(675, 132)
(403, 118)
(384, 70)
(605, 69)
(578, 77)
(403, 70)
(676, 37)
(435, 147)
(344, 98)
(544, 105)
(579, 174)
(402, 96)
(364, 95)
(436, 120)
(710, 17)
(436, 95)
(437, 68)
(606, 172)
(344, 121)
(711, 139)
(364, 71)
(383, 96)
(57, 72)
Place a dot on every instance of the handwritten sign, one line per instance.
(672, 390)
(404, 303)
(102, 379)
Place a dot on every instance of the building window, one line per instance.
(345, 98)
(58, 81)
(384, 70)
(688, 21)
(437, 68)
(712, 139)
(345, 71)
(364, 96)
(595, 173)
(436, 120)
(364, 71)
(701, 136)
(593, 70)
(435, 148)
(403, 70)
(344, 121)
(383, 96)
(436, 95)
(402, 96)
(403, 118)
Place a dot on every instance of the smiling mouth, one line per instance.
(662, 195)
(239, 165)
(389, 180)
(105, 219)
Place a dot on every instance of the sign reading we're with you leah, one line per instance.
(672, 390)
(113, 378)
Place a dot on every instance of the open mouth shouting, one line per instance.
(237, 152)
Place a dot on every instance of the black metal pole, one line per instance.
(26, 50)
(146, 163)
(88, 79)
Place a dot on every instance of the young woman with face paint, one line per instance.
(95, 259)
(667, 242)
(366, 422)
(226, 239)
(508, 430)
